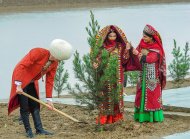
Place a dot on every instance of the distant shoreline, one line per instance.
(12, 6)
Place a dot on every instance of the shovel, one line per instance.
(54, 109)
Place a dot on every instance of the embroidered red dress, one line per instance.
(148, 101)
(30, 68)
(111, 111)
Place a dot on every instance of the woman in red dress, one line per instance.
(111, 106)
(149, 59)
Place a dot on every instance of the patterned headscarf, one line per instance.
(151, 32)
(120, 34)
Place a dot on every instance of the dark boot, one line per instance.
(25, 118)
(38, 123)
(29, 134)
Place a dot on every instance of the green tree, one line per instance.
(131, 77)
(87, 90)
(180, 65)
(186, 58)
(92, 81)
(60, 79)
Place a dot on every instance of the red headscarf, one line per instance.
(157, 47)
(112, 43)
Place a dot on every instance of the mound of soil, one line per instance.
(63, 127)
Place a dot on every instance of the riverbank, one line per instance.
(62, 127)
(12, 6)
(169, 85)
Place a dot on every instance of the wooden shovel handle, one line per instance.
(54, 109)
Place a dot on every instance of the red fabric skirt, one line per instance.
(108, 119)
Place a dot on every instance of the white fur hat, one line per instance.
(60, 49)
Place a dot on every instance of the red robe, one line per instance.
(30, 68)
(111, 112)
(153, 91)
(155, 72)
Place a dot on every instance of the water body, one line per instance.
(21, 32)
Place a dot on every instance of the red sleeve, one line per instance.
(124, 55)
(152, 57)
(133, 62)
(24, 65)
(50, 81)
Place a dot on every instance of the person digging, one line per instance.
(37, 63)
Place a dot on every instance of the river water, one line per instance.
(20, 32)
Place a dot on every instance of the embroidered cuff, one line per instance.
(18, 83)
(49, 99)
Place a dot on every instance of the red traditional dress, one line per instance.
(152, 79)
(112, 111)
(31, 69)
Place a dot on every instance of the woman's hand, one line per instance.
(135, 52)
(128, 46)
(144, 51)
(95, 65)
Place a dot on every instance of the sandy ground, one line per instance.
(62, 127)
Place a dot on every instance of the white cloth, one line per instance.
(18, 83)
(49, 99)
